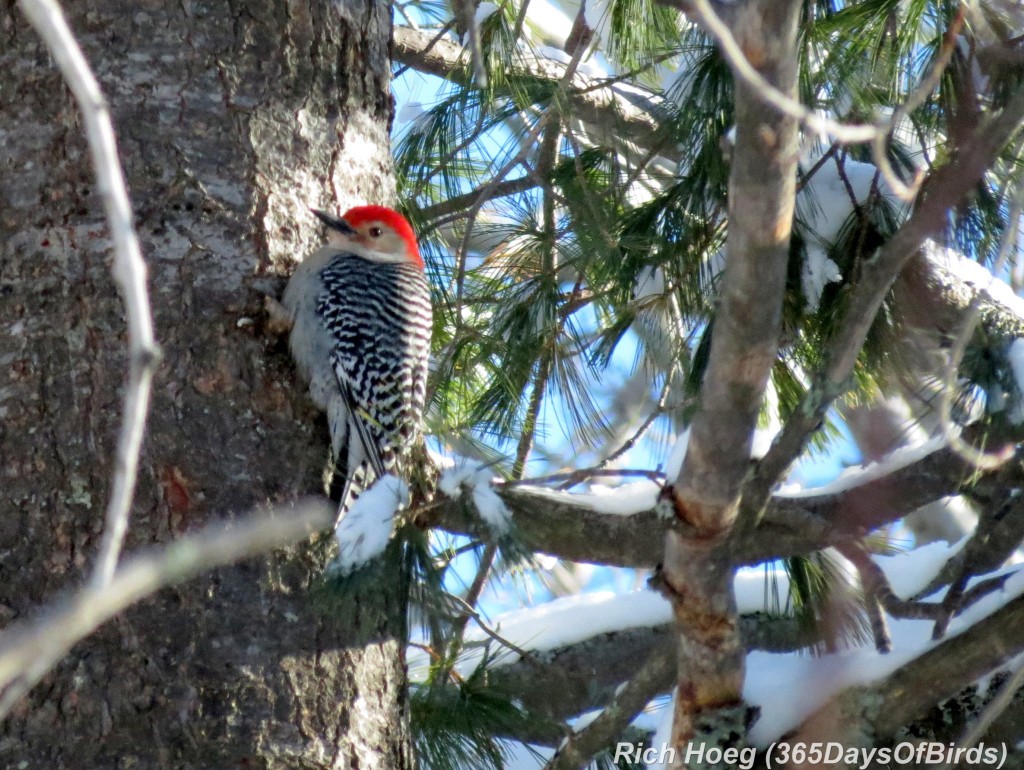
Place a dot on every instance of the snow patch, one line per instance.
(364, 532)
(491, 507)
(816, 273)
(623, 500)
(477, 478)
(773, 678)
(572, 619)
(975, 275)
(675, 460)
(859, 475)
(834, 197)
(910, 573)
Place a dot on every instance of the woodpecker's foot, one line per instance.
(279, 321)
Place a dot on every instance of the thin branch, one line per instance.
(878, 595)
(29, 649)
(444, 162)
(997, 535)
(476, 588)
(628, 701)
(465, 14)
(582, 474)
(469, 612)
(916, 98)
(948, 186)
(517, 28)
(659, 409)
(531, 137)
(805, 179)
(459, 205)
(129, 271)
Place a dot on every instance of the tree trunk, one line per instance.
(232, 119)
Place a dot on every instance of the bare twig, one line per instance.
(806, 177)
(455, 208)
(465, 16)
(476, 588)
(469, 611)
(129, 271)
(659, 409)
(499, 177)
(30, 649)
(582, 474)
(916, 98)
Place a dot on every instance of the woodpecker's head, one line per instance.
(376, 233)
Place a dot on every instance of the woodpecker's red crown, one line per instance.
(364, 218)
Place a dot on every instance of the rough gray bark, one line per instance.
(232, 120)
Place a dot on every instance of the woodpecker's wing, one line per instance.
(364, 425)
(378, 316)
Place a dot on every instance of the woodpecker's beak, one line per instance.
(334, 222)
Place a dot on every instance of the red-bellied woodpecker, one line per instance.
(361, 321)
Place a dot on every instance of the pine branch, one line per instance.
(627, 702)
(566, 682)
(609, 114)
(946, 187)
(865, 715)
(560, 524)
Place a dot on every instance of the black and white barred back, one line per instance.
(379, 315)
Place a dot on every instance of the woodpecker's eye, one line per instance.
(375, 232)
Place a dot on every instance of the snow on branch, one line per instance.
(364, 531)
(619, 527)
(478, 480)
(582, 649)
(967, 281)
(129, 270)
(985, 637)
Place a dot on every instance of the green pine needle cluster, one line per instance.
(595, 255)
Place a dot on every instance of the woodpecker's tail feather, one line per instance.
(345, 489)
